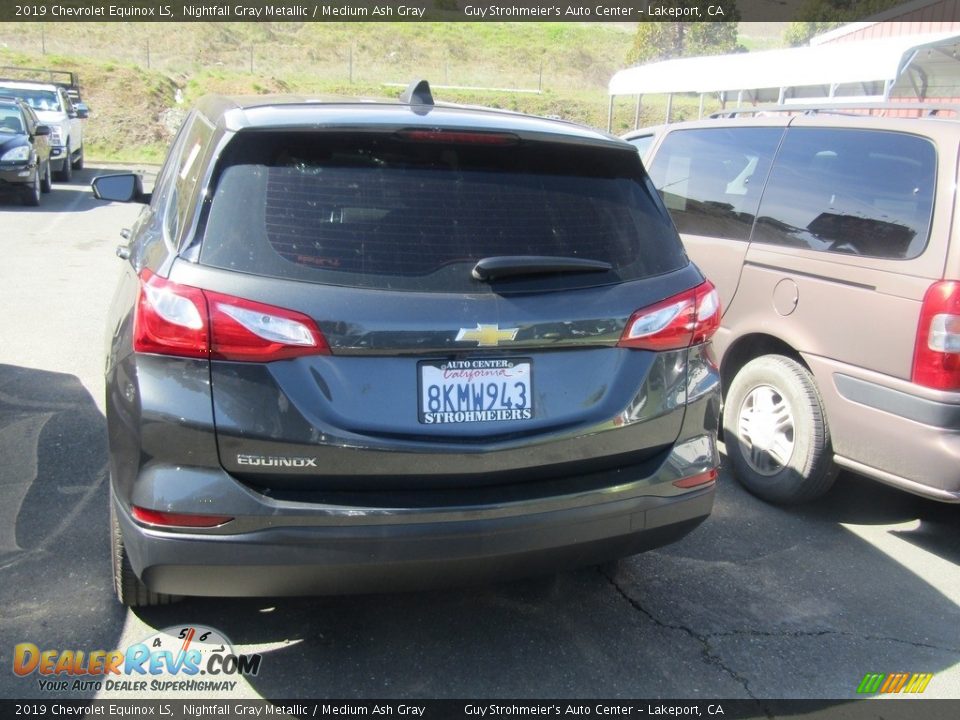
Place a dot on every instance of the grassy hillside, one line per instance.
(139, 77)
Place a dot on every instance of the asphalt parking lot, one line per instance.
(759, 602)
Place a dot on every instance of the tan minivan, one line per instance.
(832, 240)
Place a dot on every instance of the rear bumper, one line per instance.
(307, 560)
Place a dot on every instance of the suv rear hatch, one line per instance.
(465, 294)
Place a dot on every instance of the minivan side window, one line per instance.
(860, 192)
(711, 178)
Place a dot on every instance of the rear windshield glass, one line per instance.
(37, 99)
(373, 210)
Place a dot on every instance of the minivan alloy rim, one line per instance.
(766, 429)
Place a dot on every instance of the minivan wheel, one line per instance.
(776, 432)
(129, 588)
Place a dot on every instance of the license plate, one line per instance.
(472, 391)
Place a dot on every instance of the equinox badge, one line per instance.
(486, 335)
(272, 461)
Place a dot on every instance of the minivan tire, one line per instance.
(776, 432)
(129, 588)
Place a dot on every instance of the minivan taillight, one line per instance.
(936, 354)
(180, 320)
(690, 318)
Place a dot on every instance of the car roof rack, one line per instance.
(926, 109)
(417, 93)
(66, 79)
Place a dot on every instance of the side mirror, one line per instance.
(41, 130)
(123, 187)
(83, 112)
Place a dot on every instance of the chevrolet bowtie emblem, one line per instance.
(486, 335)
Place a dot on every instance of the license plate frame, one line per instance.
(512, 379)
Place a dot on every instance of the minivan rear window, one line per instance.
(378, 210)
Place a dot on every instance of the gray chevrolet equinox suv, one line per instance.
(360, 346)
(832, 239)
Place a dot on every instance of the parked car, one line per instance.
(368, 345)
(54, 106)
(24, 151)
(831, 239)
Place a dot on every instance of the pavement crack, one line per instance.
(710, 655)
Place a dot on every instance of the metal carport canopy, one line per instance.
(836, 64)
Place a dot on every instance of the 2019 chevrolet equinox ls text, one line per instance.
(360, 346)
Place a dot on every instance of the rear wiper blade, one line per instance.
(493, 268)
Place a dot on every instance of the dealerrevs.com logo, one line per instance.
(189, 658)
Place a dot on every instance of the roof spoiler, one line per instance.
(417, 93)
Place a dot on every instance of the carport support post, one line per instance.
(700, 111)
(636, 114)
(610, 114)
(669, 107)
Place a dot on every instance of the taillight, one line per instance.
(246, 330)
(690, 318)
(936, 353)
(171, 319)
(180, 320)
(169, 519)
(697, 480)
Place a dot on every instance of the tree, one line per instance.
(665, 40)
(799, 33)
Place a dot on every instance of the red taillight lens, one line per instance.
(936, 353)
(690, 318)
(170, 319)
(696, 480)
(246, 330)
(180, 320)
(168, 519)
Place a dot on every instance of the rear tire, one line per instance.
(129, 588)
(776, 432)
